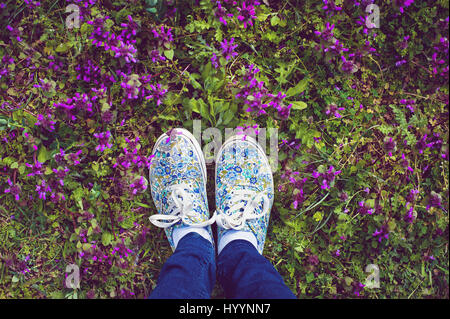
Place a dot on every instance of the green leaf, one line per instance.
(299, 88)
(169, 54)
(309, 277)
(228, 117)
(106, 238)
(274, 21)
(142, 205)
(43, 155)
(298, 105)
(63, 47)
(57, 295)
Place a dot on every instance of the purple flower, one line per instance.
(74, 157)
(131, 90)
(164, 36)
(36, 169)
(335, 48)
(60, 174)
(330, 6)
(400, 62)
(358, 288)
(103, 141)
(156, 93)
(412, 196)
(14, 189)
(364, 209)
(332, 109)
(155, 56)
(327, 34)
(326, 180)
(284, 111)
(404, 44)
(422, 144)
(409, 217)
(46, 122)
(54, 64)
(4, 72)
(298, 198)
(45, 86)
(409, 104)
(75, 105)
(43, 189)
(405, 163)
(130, 28)
(14, 32)
(127, 51)
(139, 185)
(390, 145)
(214, 61)
(382, 233)
(100, 38)
(403, 4)
(435, 200)
(277, 99)
(221, 13)
(348, 66)
(32, 4)
(89, 72)
(228, 48)
(257, 104)
(294, 144)
(246, 14)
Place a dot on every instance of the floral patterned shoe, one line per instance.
(244, 191)
(178, 184)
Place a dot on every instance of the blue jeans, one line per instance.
(190, 273)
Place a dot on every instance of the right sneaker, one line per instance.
(244, 192)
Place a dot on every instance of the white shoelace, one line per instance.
(181, 208)
(244, 204)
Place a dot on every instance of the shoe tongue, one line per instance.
(188, 190)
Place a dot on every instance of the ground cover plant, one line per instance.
(358, 93)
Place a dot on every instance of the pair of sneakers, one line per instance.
(244, 189)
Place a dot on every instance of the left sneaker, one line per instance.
(178, 186)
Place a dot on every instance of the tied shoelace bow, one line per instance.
(244, 206)
(244, 203)
(180, 208)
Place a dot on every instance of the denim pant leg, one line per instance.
(244, 273)
(190, 273)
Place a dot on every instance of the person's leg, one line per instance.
(190, 273)
(244, 273)
(244, 198)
